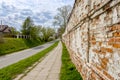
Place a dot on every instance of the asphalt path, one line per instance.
(17, 56)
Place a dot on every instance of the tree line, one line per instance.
(37, 31)
(45, 33)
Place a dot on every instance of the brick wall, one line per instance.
(92, 37)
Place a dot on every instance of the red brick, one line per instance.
(105, 60)
(109, 50)
(103, 65)
(118, 27)
(93, 42)
(111, 41)
(116, 45)
(100, 43)
(93, 76)
(99, 68)
(113, 28)
(96, 51)
(117, 39)
(108, 75)
(102, 49)
(116, 34)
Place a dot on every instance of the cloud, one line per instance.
(39, 19)
(14, 12)
(47, 15)
(27, 12)
(7, 9)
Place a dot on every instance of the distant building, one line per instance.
(5, 29)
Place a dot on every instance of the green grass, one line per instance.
(12, 44)
(10, 72)
(68, 70)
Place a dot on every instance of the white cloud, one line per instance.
(13, 12)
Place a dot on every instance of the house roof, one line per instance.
(5, 28)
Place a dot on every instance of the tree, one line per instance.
(61, 18)
(14, 31)
(61, 30)
(47, 32)
(26, 27)
(35, 31)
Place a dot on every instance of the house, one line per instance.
(5, 29)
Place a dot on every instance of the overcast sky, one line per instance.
(14, 12)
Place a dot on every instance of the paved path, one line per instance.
(48, 68)
(17, 56)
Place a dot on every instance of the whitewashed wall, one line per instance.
(92, 37)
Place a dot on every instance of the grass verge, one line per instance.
(68, 70)
(12, 45)
(10, 72)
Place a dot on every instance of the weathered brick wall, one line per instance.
(92, 37)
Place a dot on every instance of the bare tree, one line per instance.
(61, 18)
(62, 15)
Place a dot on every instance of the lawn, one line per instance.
(10, 72)
(12, 44)
(68, 70)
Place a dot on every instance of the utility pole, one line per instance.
(1, 38)
(1, 25)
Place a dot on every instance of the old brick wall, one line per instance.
(92, 37)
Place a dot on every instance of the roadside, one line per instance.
(41, 67)
(68, 69)
(11, 45)
(47, 69)
(17, 56)
(10, 72)
(52, 68)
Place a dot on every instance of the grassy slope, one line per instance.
(10, 72)
(13, 44)
(68, 70)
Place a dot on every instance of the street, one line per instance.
(17, 56)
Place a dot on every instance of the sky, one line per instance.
(14, 12)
